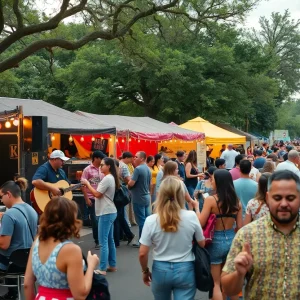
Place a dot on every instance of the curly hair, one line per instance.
(59, 220)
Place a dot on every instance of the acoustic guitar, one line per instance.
(40, 198)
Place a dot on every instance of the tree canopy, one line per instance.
(106, 19)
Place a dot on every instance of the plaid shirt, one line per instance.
(91, 172)
(276, 260)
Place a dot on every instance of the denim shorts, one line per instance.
(220, 246)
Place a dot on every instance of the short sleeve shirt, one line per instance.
(14, 224)
(46, 173)
(276, 268)
(91, 172)
(124, 170)
(141, 190)
(172, 246)
(105, 205)
(252, 207)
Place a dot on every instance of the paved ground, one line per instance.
(126, 283)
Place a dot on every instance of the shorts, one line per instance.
(220, 246)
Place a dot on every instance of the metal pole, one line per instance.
(21, 170)
(127, 140)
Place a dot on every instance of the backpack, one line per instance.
(204, 279)
(99, 289)
(122, 197)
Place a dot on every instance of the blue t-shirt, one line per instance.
(141, 190)
(48, 174)
(14, 224)
(259, 163)
(245, 189)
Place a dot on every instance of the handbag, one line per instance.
(209, 229)
(99, 289)
(121, 197)
(204, 279)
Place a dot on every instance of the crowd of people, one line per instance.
(254, 196)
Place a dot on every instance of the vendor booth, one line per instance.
(251, 140)
(144, 133)
(30, 129)
(215, 136)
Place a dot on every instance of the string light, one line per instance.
(82, 139)
(93, 139)
(16, 122)
(7, 124)
(70, 139)
(129, 139)
(110, 139)
(52, 137)
(122, 140)
(101, 137)
(139, 141)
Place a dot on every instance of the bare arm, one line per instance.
(239, 218)
(80, 284)
(232, 283)
(42, 185)
(92, 190)
(127, 179)
(5, 241)
(29, 279)
(85, 195)
(204, 215)
(247, 220)
(131, 183)
(188, 168)
(143, 257)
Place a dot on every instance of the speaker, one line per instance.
(35, 133)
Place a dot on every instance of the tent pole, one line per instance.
(127, 140)
(21, 170)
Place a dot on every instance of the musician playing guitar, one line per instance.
(51, 172)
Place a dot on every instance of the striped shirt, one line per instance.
(276, 260)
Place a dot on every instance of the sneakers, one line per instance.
(130, 240)
(136, 245)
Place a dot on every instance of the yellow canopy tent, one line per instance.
(214, 135)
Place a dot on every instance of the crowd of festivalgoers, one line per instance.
(253, 195)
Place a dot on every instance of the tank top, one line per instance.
(192, 182)
(47, 274)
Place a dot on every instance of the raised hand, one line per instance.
(244, 260)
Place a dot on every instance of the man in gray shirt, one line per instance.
(140, 190)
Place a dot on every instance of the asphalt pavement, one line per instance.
(126, 283)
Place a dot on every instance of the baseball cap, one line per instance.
(289, 147)
(59, 154)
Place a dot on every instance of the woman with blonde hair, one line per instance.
(170, 230)
(55, 262)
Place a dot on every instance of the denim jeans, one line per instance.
(106, 238)
(94, 221)
(178, 277)
(141, 212)
(120, 226)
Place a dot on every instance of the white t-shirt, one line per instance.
(253, 172)
(172, 246)
(288, 165)
(229, 156)
(105, 205)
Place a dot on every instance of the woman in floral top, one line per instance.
(257, 207)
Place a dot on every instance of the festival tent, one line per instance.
(62, 124)
(251, 139)
(136, 133)
(214, 135)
